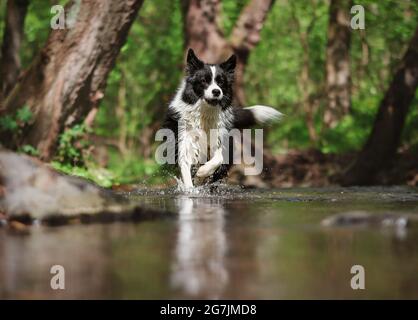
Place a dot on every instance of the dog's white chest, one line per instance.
(199, 133)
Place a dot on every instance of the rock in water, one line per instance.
(29, 188)
(361, 218)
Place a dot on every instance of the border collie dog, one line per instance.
(203, 103)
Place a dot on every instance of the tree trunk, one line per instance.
(203, 33)
(338, 79)
(384, 139)
(305, 83)
(122, 117)
(12, 38)
(68, 77)
(202, 29)
(305, 88)
(245, 36)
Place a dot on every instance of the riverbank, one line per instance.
(312, 168)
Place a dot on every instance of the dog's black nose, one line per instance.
(216, 92)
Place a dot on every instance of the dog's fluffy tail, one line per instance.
(250, 116)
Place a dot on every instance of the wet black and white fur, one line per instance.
(204, 102)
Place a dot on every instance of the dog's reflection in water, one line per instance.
(199, 267)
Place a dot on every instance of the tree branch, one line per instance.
(202, 29)
(13, 33)
(246, 33)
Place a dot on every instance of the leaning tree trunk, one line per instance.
(338, 79)
(12, 39)
(203, 33)
(69, 75)
(384, 139)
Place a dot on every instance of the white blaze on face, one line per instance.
(209, 92)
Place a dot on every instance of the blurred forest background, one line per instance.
(300, 57)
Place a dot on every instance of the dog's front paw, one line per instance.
(188, 185)
(205, 171)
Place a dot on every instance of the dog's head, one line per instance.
(211, 82)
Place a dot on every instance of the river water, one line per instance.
(234, 243)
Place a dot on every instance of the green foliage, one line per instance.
(230, 14)
(30, 150)
(17, 121)
(37, 28)
(8, 123)
(147, 72)
(346, 136)
(100, 176)
(275, 65)
(133, 169)
(24, 115)
(74, 156)
(410, 133)
(74, 147)
(14, 125)
(2, 16)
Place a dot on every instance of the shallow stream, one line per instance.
(234, 243)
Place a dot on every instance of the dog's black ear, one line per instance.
(193, 62)
(230, 64)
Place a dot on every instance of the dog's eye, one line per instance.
(219, 79)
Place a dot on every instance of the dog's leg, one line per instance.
(209, 167)
(186, 175)
(186, 157)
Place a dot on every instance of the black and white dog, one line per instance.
(203, 103)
